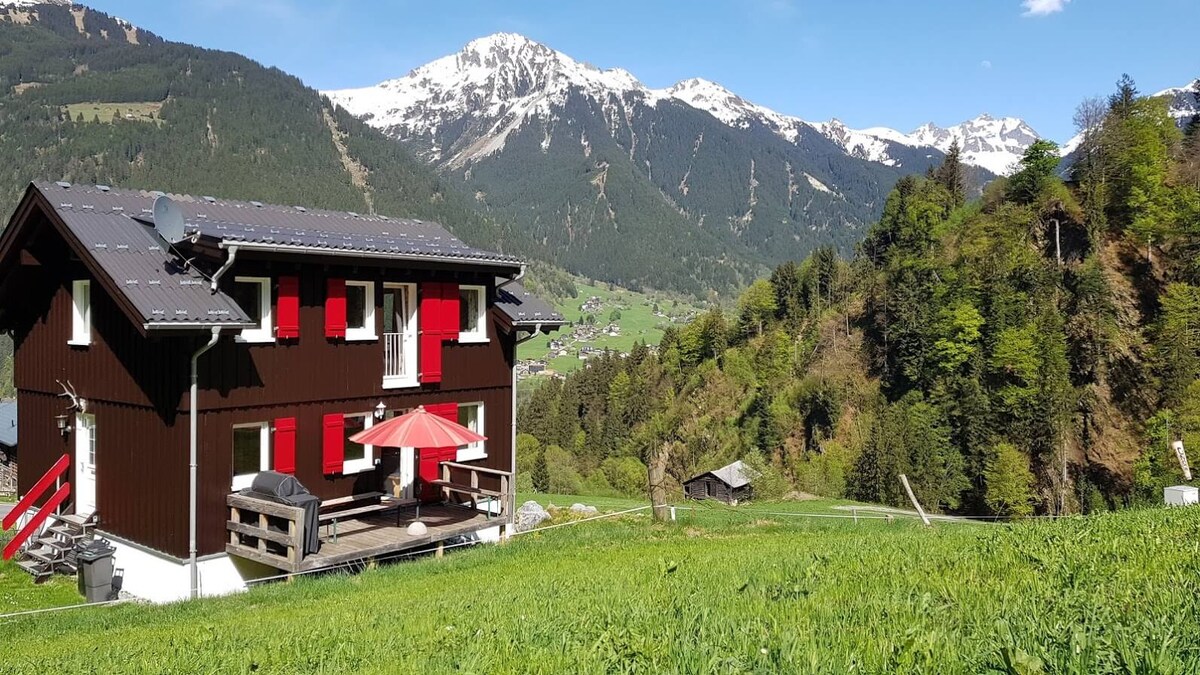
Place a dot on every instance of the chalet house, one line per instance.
(730, 484)
(257, 337)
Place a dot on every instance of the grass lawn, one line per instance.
(141, 112)
(18, 592)
(1113, 593)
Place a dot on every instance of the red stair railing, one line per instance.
(34, 523)
(52, 477)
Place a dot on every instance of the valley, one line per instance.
(604, 318)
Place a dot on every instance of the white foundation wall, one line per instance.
(160, 579)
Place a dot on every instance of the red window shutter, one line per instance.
(430, 353)
(287, 309)
(448, 411)
(450, 312)
(333, 443)
(285, 445)
(335, 308)
(430, 323)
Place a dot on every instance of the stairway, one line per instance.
(54, 549)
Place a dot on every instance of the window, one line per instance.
(399, 335)
(360, 310)
(358, 458)
(253, 295)
(251, 452)
(470, 415)
(472, 314)
(81, 315)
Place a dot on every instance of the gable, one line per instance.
(150, 283)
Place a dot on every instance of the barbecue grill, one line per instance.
(284, 489)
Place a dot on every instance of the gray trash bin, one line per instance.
(95, 571)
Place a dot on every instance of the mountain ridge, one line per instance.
(404, 103)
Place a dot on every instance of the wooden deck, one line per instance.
(374, 536)
(378, 535)
(272, 533)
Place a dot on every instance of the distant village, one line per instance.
(584, 338)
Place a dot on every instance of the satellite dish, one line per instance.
(168, 220)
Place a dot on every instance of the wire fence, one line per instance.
(865, 513)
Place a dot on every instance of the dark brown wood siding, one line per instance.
(700, 486)
(137, 387)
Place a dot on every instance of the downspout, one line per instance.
(216, 279)
(520, 275)
(192, 453)
(537, 328)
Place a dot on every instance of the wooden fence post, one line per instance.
(908, 489)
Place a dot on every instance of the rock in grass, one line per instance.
(585, 510)
(530, 515)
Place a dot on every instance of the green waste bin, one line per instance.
(95, 570)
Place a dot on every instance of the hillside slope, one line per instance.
(183, 118)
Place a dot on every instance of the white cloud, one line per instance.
(1043, 7)
(985, 64)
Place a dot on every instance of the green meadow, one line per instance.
(731, 592)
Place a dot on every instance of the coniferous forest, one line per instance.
(1032, 351)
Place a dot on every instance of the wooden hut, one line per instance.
(730, 484)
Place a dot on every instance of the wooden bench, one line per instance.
(332, 517)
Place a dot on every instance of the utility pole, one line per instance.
(1057, 242)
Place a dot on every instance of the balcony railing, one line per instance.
(393, 356)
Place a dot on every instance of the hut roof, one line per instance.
(734, 475)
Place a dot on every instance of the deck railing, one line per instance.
(393, 355)
(471, 487)
(265, 532)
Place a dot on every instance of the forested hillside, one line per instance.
(1034, 350)
(195, 120)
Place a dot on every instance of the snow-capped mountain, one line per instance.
(1184, 103)
(500, 80)
(994, 144)
(507, 79)
(608, 173)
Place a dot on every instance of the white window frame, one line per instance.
(479, 335)
(242, 481)
(367, 463)
(409, 379)
(367, 331)
(478, 449)
(266, 332)
(81, 313)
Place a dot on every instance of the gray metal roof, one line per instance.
(116, 228)
(150, 277)
(288, 228)
(8, 423)
(524, 308)
(734, 475)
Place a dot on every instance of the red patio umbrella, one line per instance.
(417, 429)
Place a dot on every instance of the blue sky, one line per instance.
(897, 63)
